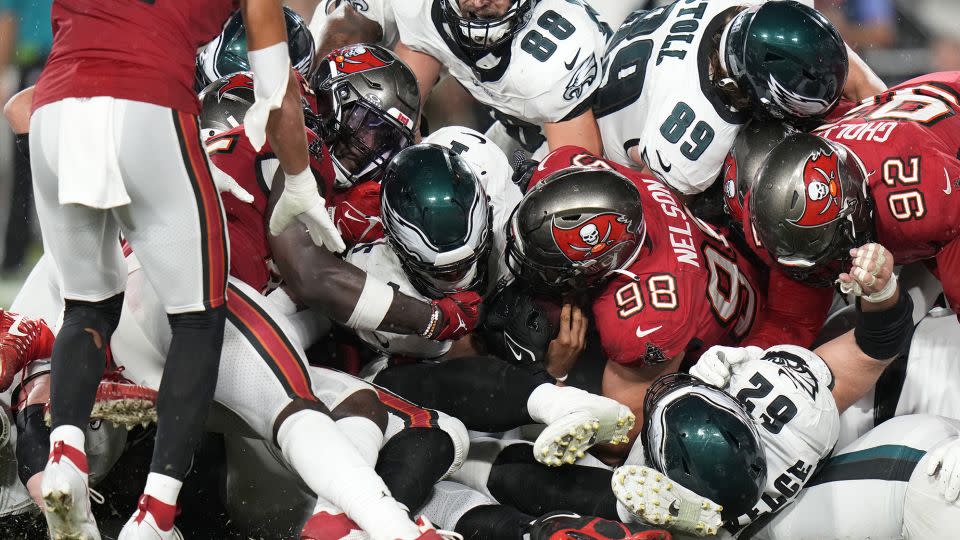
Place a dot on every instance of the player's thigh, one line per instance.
(175, 220)
(261, 370)
(925, 512)
(83, 242)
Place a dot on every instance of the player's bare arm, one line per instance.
(862, 82)
(17, 110)
(581, 131)
(424, 66)
(345, 26)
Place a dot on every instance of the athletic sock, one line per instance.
(450, 501)
(163, 488)
(70, 435)
(365, 436)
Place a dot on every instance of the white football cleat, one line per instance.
(142, 525)
(655, 499)
(66, 495)
(582, 420)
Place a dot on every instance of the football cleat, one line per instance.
(22, 340)
(66, 495)
(570, 526)
(655, 499)
(124, 403)
(331, 525)
(584, 420)
(143, 524)
(429, 532)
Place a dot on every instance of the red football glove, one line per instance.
(357, 213)
(459, 313)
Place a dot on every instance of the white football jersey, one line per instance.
(379, 260)
(787, 393)
(656, 94)
(496, 176)
(378, 11)
(549, 72)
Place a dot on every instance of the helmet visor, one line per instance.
(367, 139)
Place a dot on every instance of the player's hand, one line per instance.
(871, 274)
(302, 201)
(716, 364)
(944, 463)
(459, 313)
(565, 349)
(357, 214)
(226, 184)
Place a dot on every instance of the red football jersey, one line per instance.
(689, 288)
(908, 140)
(231, 152)
(140, 50)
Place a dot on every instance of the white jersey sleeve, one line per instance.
(379, 260)
(788, 394)
(378, 11)
(496, 175)
(549, 72)
(656, 97)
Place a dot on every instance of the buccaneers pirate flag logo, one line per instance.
(592, 238)
(238, 80)
(355, 59)
(823, 194)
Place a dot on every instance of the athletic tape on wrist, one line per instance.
(271, 73)
(883, 294)
(885, 334)
(372, 306)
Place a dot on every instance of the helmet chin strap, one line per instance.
(342, 179)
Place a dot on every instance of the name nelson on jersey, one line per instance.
(681, 237)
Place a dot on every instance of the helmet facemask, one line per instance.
(484, 34)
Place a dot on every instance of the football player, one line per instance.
(652, 267)
(885, 172)
(536, 63)
(893, 467)
(338, 23)
(729, 59)
(96, 174)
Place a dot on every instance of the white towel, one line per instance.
(88, 166)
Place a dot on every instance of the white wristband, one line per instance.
(372, 306)
(883, 294)
(271, 73)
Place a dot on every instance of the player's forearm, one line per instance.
(581, 131)
(344, 26)
(17, 110)
(285, 131)
(264, 23)
(862, 82)
(425, 67)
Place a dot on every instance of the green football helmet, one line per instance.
(703, 438)
(227, 53)
(787, 57)
(437, 217)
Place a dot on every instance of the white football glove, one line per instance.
(226, 184)
(714, 366)
(945, 464)
(301, 200)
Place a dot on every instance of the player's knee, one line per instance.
(98, 320)
(364, 404)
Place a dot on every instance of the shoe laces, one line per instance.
(96, 496)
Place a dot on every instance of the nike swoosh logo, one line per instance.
(14, 329)
(644, 333)
(569, 65)
(949, 189)
(513, 351)
(674, 508)
(665, 166)
(347, 215)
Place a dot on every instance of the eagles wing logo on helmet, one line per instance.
(822, 190)
(795, 103)
(591, 238)
(355, 59)
(238, 80)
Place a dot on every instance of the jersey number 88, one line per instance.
(540, 46)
